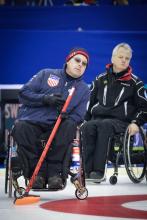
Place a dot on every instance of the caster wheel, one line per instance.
(81, 194)
(113, 180)
(19, 193)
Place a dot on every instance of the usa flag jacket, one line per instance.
(52, 81)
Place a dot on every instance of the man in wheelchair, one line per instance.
(118, 99)
(42, 99)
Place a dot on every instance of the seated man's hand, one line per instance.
(64, 115)
(53, 100)
(133, 128)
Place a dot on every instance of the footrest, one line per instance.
(95, 180)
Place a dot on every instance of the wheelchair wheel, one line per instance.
(7, 165)
(135, 153)
(113, 180)
(8, 174)
(81, 194)
(19, 193)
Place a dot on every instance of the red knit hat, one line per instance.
(76, 51)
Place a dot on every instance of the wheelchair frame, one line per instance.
(22, 194)
(125, 146)
(78, 179)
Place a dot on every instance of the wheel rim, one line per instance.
(19, 193)
(135, 156)
(81, 194)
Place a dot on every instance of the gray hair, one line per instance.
(125, 46)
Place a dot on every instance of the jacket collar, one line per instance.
(125, 75)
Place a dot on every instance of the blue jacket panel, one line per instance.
(52, 81)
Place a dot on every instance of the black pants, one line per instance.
(28, 136)
(96, 135)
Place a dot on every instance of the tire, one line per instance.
(19, 193)
(135, 154)
(113, 180)
(81, 194)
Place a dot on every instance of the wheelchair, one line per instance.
(130, 151)
(12, 173)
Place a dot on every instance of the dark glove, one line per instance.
(64, 115)
(53, 100)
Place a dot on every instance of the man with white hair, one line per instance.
(118, 99)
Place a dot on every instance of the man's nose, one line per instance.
(124, 60)
(80, 63)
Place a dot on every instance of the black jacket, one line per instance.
(121, 96)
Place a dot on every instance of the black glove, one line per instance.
(64, 115)
(53, 100)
